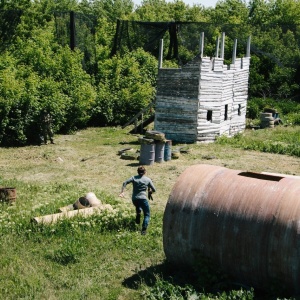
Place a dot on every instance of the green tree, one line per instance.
(126, 85)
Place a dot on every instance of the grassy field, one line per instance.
(102, 257)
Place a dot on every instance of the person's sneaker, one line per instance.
(138, 219)
(144, 231)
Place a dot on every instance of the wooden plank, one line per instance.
(138, 115)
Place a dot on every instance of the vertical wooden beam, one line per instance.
(234, 51)
(217, 47)
(248, 47)
(222, 45)
(161, 51)
(201, 44)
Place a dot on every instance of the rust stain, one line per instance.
(246, 222)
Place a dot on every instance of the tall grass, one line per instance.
(78, 258)
(280, 140)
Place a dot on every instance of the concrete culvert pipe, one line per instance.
(247, 223)
(89, 200)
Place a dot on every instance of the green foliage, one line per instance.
(40, 75)
(165, 290)
(37, 73)
(278, 140)
(292, 118)
(126, 85)
(102, 256)
(284, 107)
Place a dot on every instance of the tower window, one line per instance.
(226, 112)
(239, 110)
(209, 115)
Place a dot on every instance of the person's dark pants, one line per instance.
(47, 132)
(143, 205)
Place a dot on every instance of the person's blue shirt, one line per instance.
(140, 186)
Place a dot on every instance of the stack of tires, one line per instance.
(266, 120)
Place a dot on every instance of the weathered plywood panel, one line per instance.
(185, 95)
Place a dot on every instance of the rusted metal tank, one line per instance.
(247, 223)
(8, 195)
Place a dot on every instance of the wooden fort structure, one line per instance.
(204, 98)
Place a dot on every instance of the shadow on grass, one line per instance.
(183, 277)
(149, 276)
(135, 164)
(177, 276)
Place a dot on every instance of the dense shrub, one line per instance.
(284, 107)
(126, 85)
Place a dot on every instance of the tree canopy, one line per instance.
(66, 56)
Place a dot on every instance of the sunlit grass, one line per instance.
(280, 140)
(104, 256)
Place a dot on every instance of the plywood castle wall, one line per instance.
(202, 100)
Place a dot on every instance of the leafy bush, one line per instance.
(292, 118)
(126, 85)
(284, 107)
(281, 140)
(41, 75)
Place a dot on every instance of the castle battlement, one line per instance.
(202, 100)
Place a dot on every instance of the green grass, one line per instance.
(280, 140)
(105, 256)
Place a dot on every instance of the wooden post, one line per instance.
(248, 47)
(217, 47)
(222, 45)
(234, 51)
(201, 44)
(161, 51)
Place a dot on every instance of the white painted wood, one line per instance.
(185, 95)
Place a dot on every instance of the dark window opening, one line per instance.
(239, 110)
(261, 176)
(209, 115)
(226, 112)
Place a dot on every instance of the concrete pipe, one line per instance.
(247, 223)
(53, 218)
(89, 200)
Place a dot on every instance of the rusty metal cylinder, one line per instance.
(246, 223)
(8, 195)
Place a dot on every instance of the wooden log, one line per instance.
(50, 219)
